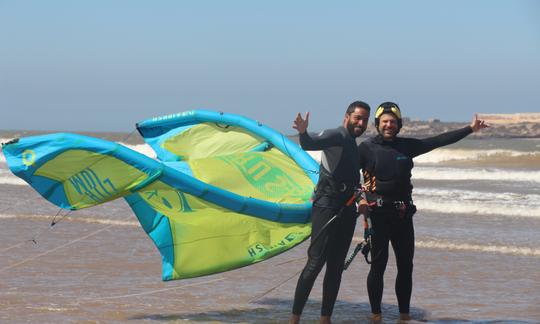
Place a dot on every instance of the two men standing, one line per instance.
(386, 164)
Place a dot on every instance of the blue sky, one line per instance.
(105, 65)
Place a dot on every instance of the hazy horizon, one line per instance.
(104, 66)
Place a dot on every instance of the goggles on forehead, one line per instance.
(386, 109)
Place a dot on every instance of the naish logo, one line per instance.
(167, 200)
(263, 175)
(28, 157)
(89, 184)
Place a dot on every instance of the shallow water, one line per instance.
(87, 270)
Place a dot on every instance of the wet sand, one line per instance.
(98, 266)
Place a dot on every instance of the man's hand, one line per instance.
(301, 124)
(478, 124)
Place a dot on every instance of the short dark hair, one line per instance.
(357, 104)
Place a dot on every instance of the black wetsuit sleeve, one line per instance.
(324, 140)
(428, 144)
(362, 155)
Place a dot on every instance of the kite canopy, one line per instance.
(225, 192)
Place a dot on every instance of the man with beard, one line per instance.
(339, 176)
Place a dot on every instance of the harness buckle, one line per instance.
(401, 206)
(380, 202)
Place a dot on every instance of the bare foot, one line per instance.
(325, 320)
(295, 319)
(376, 318)
(404, 317)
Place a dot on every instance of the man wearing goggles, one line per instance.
(386, 161)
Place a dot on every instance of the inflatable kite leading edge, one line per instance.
(226, 191)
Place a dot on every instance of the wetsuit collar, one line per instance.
(379, 139)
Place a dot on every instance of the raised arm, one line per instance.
(321, 141)
(427, 144)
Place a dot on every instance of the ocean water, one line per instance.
(477, 257)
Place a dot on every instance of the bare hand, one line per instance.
(478, 124)
(301, 124)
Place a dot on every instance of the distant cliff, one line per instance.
(501, 126)
(511, 118)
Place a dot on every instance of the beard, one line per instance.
(355, 131)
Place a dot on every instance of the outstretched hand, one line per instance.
(301, 124)
(478, 124)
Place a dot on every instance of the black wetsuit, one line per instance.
(339, 175)
(386, 167)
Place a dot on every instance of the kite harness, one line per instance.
(404, 209)
(357, 193)
(364, 246)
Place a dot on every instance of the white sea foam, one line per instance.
(316, 155)
(446, 245)
(442, 173)
(12, 180)
(446, 155)
(453, 246)
(477, 203)
(2, 157)
(6, 177)
(5, 140)
(476, 208)
(472, 195)
(142, 148)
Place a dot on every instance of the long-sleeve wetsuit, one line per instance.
(386, 167)
(339, 175)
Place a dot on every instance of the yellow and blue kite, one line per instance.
(225, 192)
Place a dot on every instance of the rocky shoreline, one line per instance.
(496, 130)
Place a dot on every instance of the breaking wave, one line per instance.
(452, 246)
(6, 177)
(490, 174)
(495, 156)
(511, 250)
(477, 203)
